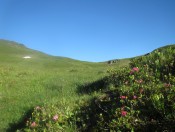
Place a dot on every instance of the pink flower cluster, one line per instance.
(135, 69)
(33, 124)
(123, 113)
(134, 97)
(123, 97)
(55, 117)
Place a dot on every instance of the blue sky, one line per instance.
(89, 30)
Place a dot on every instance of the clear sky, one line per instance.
(89, 30)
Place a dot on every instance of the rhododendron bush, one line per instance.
(142, 96)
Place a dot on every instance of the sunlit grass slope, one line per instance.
(42, 79)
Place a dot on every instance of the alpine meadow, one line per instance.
(44, 93)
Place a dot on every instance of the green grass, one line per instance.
(59, 84)
(43, 79)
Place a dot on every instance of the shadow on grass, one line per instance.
(13, 127)
(163, 126)
(97, 113)
(89, 113)
(87, 88)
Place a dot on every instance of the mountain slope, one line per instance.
(56, 83)
(13, 53)
(42, 79)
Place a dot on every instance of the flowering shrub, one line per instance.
(49, 118)
(141, 99)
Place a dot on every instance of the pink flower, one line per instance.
(134, 97)
(123, 113)
(135, 69)
(123, 97)
(55, 117)
(33, 124)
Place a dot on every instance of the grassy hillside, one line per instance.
(138, 97)
(47, 93)
(40, 80)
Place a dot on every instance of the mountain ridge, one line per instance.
(25, 51)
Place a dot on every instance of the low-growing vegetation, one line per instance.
(135, 98)
(60, 94)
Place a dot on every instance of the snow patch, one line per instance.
(27, 57)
